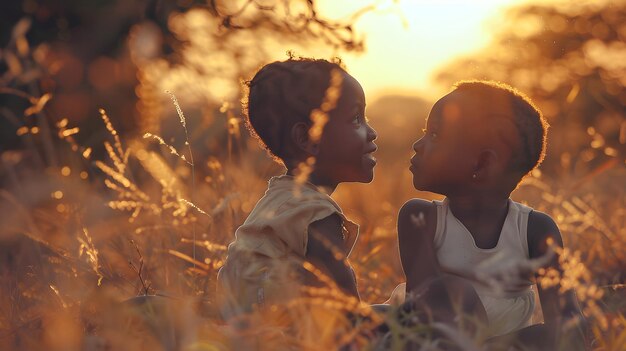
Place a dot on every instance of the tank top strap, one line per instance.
(440, 230)
(521, 215)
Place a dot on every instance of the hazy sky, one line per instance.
(404, 49)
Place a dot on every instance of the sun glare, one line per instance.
(407, 40)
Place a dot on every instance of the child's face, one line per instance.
(347, 143)
(445, 156)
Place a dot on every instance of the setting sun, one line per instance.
(408, 39)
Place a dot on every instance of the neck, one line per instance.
(477, 207)
(317, 180)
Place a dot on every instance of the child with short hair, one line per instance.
(480, 141)
(310, 116)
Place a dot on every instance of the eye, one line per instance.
(433, 134)
(357, 120)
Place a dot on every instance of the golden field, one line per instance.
(118, 198)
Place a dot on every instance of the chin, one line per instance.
(369, 178)
(363, 178)
(429, 188)
(419, 184)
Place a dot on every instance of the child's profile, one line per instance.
(310, 116)
(479, 142)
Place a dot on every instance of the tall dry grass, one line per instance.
(122, 253)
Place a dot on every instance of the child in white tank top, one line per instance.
(480, 141)
(509, 306)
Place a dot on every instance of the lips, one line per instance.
(413, 165)
(370, 160)
(372, 149)
(368, 154)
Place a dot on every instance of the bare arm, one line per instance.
(325, 251)
(557, 307)
(442, 294)
(417, 222)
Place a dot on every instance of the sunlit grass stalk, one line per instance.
(36, 109)
(139, 270)
(181, 115)
(42, 121)
(87, 247)
(28, 139)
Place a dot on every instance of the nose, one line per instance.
(417, 146)
(371, 133)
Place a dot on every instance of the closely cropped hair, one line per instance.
(282, 94)
(532, 127)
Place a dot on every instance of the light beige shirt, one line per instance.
(265, 259)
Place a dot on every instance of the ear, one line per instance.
(486, 164)
(300, 137)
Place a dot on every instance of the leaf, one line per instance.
(22, 46)
(573, 93)
(21, 27)
(15, 67)
(188, 259)
(38, 105)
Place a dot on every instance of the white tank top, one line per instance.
(508, 306)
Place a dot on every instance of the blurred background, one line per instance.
(93, 210)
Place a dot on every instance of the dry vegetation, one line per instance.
(118, 248)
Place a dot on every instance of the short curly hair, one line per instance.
(530, 123)
(283, 93)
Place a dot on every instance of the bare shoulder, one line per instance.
(541, 227)
(327, 228)
(417, 215)
(325, 251)
(417, 224)
(416, 206)
(329, 223)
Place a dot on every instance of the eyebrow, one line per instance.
(357, 107)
